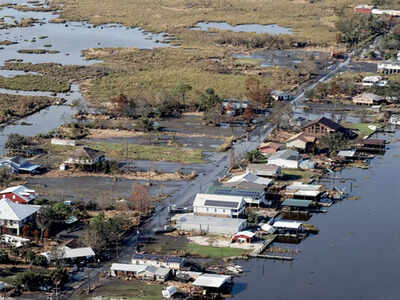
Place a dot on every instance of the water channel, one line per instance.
(69, 39)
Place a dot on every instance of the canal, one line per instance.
(356, 253)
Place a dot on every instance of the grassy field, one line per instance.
(296, 175)
(139, 152)
(214, 252)
(362, 129)
(129, 290)
(34, 83)
(17, 106)
(310, 21)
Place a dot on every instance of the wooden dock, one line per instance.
(268, 241)
(277, 257)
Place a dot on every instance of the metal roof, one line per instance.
(250, 177)
(288, 154)
(211, 280)
(127, 267)
(346, 153)
(15, 211)
(77, 252)
(297, 203)
(212, 221)
(220, 203)
(286, 224)
(214, 199)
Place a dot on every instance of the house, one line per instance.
(304, 191)
(281, 95)
(297, 204)
(269, 147)
(374, 81)
(363, 9)
(210, 225)
(251, 178)
(213, 282)
(266, 170)
(252, 193)
(13, 216)
(20, 165)
(19, 194)
(243, 237)
(387, 12)
(301, 142)
(324, 126)
(126, 270)
(85, 156)
(154, 273)
(285, 159)
(172, 262)
(368, 99)
(71, 254)
(219, 205)
(389, 67)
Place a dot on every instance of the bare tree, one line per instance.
(140, 198)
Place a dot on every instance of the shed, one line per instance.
(267, 170)
(243, 236)
(126, 269)
(347, 154)
(287, 225)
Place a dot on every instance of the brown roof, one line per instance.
(86, 152)
(271, 145)
(302, 136)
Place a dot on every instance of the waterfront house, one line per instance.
(288, 226)
(13, 216)
(172, 262)
(368, 99)
(304, 191)
(20, 165)
(285, 159)
(301, 142)
(252, 193)
(210, 225)
(266, 170)
(85, 156)
(389, 67)
(214, 282)
(324, 127)
(296, 204)
(219, 205)
(19, 194)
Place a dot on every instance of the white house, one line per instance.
(85, 156)
(219, 205)
(172, 262)
(14, 216)
(389, 67)
(281, 95)
(368, 99)
(285, 159)
(374, 81)
(266, 170)
(70, 253)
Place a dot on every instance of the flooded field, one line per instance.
(357, 246)
(257, 28)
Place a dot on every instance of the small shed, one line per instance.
(347, 154)
(126, 269)
(266, 170)
(243, 237)
(288, 225)
(214, 282)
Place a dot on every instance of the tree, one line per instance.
(16, 142)
(45, 218)
(253, 156)
(123, 106)
(182, 89)
(258, 92)
(140, 198)
(208, 100)
(4, 259)
(333, 142)
(249, 113)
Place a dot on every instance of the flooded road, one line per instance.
(257, 28)
(355, 255)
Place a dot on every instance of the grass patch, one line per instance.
(129, 290)
(34, 83)
(146, 152)
(215, 252)
(362, 129)
(296, 175)
(17, 106)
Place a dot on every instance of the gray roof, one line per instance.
(346, 153)
(217, 221)
(127, 267)
(15, 211)
(288, 154)
(214, 200)
(211, 280)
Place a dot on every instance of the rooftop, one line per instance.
(243, 189)
(287, 224)
(86, 152)
(250, 177)
(211, 280)
(127, 267)
(211, 221)
(327, 122)
(377, 142)
(220, 200)
(15, 211)
(288, 154)
(297, 203)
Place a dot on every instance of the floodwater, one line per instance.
(355, 255)
(70, 39)
(257, 28)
